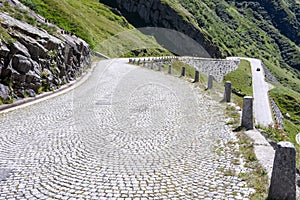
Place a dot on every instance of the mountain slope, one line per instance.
(235, 28)
(91, 21)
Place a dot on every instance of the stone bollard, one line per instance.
(152, 63)
(183, 71)
(283, 180)
(170, 69)
(144, 62)
(159, 67)
(133, 61)
(196, 76)
(247, 113)
(210, 82)
(138, 62)
(130, 60)
(228, 91)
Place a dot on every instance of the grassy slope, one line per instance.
(242, 31)
(93, 22)
(241, 79)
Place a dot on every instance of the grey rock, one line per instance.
(35, 53)
(18, 48)
(4, 50)
(21, 63)
(298, 181)
(4, 92)
(30, 92)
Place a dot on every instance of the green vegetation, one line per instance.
(257, 177)
(239, 28)
(241, 79)
(288, 102)
(96, 24)
(177, 67)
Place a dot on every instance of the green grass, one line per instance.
(257, 177)
(241, 80)
(237, 29)
(96, 24)
(288, 101)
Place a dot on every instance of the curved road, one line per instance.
(127, 132)
(261, 103)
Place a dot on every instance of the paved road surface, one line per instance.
(262, 107)
(127, 132)
(261, 104)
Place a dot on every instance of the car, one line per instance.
(258, 69)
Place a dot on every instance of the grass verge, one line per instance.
(257, 177)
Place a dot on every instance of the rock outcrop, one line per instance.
(154, 13)
(35, 61)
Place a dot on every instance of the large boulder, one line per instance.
(21, 63)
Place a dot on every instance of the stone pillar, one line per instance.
(183, 71)
(144, 62)
(138, 62)
(152, 63)
(159, 67)
(283, 180)
(133, 61)
(210, 82)
(228, 91)
(247, 113)
(196, 76)
(130, 60)
(170, 69)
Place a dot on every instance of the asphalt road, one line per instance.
(261, 105)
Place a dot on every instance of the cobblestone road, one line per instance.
(127, 132)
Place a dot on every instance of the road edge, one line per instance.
(48, 95)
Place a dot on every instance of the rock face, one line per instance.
(154, 13)
(35, 61)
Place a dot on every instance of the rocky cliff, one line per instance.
(33, 61)
(155, 13)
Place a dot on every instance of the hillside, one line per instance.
(265, 29)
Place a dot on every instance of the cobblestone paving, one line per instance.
(126, 133)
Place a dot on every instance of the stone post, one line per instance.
(183, 71)
(196, 76)
(130, 60)
(144, 62)
(139, 61)
(133, 61)
(247, 113)
(159, 67)
(170, 69)
(152, 63)
(283, 180)
(210, 82)
(228, 91)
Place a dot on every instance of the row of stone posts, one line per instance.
(283, 179)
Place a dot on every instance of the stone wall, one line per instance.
(216, 67)
(35, 61)
(277, 114)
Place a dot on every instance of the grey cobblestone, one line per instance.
(126, 133)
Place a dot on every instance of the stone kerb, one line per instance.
(218, 68)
